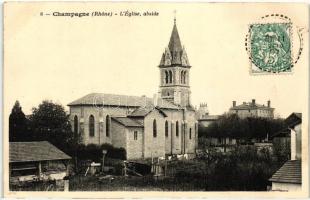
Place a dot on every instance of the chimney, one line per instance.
(268, 103)
(253, 102)
(234, 103)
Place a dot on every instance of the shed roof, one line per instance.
(35, 151)
(290, 172)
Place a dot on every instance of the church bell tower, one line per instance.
(174, 72)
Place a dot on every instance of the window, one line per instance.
(181, 76)
(166, 128)
(184, 77)
(75, 125)
(170, 76)
(91, 126)
(135, 135)
(107, 126)
(154, 128)
(190, 133)
(166, 77)
(177, 129)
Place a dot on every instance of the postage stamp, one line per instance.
(274, 44)
(271, 47)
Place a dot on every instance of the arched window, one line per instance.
(184, 77)
(75, 125)
(166, 128)
(154, 128)
(166, 77)
(91, 126)
(177, 129)
(170, 76)
(181, 76)
(107, 126)
(190, 133)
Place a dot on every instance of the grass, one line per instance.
(133, 183)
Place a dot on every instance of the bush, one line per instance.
(93, 152)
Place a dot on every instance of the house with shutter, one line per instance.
(288, 177)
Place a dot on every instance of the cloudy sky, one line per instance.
(64, 58)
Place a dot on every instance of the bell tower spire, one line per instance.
(175, 18)
(174, 71)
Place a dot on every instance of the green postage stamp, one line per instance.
(274, 44)
(270, 49)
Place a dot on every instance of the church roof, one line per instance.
(102, 99)
(128, 122)
(143, 111)
(175, 42)
(175, 54)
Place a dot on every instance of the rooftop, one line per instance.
(250, 105)
(102, 99)
(210, 118)
(143, 111)
(293, 119)
(282, 133)
(35, 151)
(128, 122)
(175, 54)
(290, 172)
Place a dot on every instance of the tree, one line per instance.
(50, 122)
(18, 124)
(230, 125)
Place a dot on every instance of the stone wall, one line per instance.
(119, 135)
(134, 147)
(100, 114)
(154, 146)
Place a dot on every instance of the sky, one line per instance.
(64, 58)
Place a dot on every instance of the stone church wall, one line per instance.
(154, 146)
(134, 147)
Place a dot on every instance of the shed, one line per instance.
(36, 161)
(288, 177)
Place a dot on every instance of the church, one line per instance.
(165, 124)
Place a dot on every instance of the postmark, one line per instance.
(271, 45)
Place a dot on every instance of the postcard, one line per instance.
(156, 99)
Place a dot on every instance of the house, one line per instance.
(146, 127)
(252, 109)
(288, 177)
(36, 161)
(204, 119)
